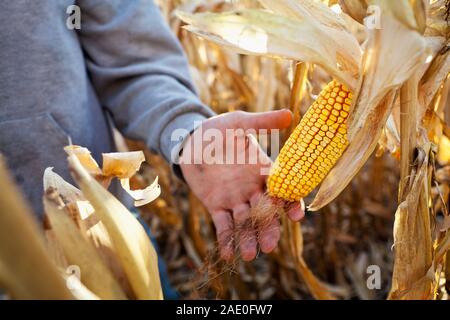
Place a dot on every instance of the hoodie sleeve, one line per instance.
(140, 72)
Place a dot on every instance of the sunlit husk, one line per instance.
(357, 9)
(384, 70)
(133, 247)
(79, 251)
(121, 165)
(287, 34)
(82, 213)
(26, 270)
(124, 165)
(412, 277)
(78, 289)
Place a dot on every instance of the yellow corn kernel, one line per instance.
(319, 140)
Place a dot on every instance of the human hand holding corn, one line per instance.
(234, 194)
(230, 191)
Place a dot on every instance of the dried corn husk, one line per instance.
(357, 9)
(132, 245)
(82, 213)
(121, 165)
(413, 276)
(78, 289)
(26, 270)
(374, 102)
(79, 251)
(300, 31)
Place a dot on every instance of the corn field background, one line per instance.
(392, 215)
(328, 255)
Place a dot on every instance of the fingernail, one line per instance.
(267, 245)
(248, 256)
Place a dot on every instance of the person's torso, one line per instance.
(45, 93)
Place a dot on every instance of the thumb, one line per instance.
(279, 119)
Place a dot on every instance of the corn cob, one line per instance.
(313, 147)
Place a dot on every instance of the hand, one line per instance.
(230, 190)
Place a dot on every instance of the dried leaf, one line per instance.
(133, 247)
(86, 159)
(55, 250)
(434, 78)
(263, 33)
(384, 70)
(122, 165)
(68, 192)
(410, 13)
(437, 25)
(412, 236)
(444, 151)
(88, 223)
(357, 9)
(94, 273)
(78, 289)
(142, 196)
(98, 235)
(21, 246)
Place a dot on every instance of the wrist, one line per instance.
(176, 133)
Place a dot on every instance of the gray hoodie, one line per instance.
(58, 82)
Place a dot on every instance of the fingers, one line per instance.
(241, 231)
(296, 212)
(255, 198)
(269, 235)
(224, 228)
(246, 235)
(269, 228)
(279, 119)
